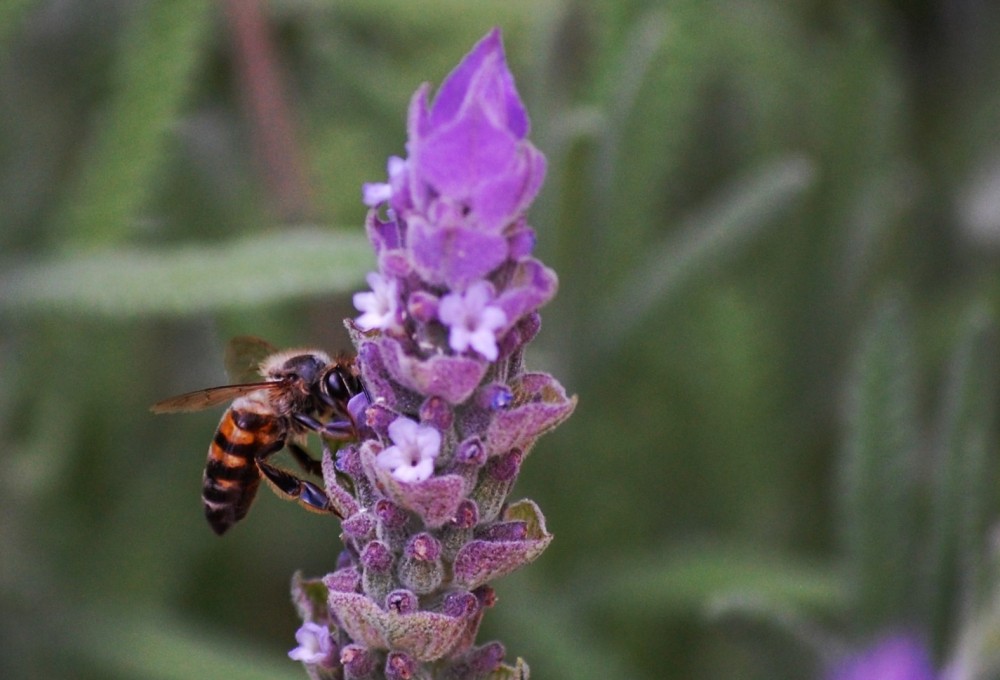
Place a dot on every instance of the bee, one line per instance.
(302, 391)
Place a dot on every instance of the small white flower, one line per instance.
(415, 446)
(472, 320)
(315, 645)
(378, 306)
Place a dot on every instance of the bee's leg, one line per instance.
(339, 430)
(287, 485)
(305, 460)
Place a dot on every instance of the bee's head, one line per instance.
(302, 368)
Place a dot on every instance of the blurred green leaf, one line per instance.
(156, 60)
(879, 466)
(192, 279)
(976, 645)
(157, 646)
(709, 239)
(549, 630)
(963, 482)
(11, 14)
(698, 578)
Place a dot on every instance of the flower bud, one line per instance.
(359, 526)
(521, 241)
(345, 559)
(379, 418)
(359, 663)
(420, 568)
(376, 579)
(423, 306)
(495, 482)
(349, 463)
(504, 531)
(471, 451)
(402, 601)
(460, 604)
(478, 662)
(346, 580)
(400, 666)
(392, 523)
(395, 263)
(436, 412)
(514, 341)
(494, 397)
(456, 533)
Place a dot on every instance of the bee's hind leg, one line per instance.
(285, 484)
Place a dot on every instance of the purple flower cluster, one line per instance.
(452, 413)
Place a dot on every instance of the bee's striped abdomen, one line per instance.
(231, 474)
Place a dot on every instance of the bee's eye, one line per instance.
(335, 385)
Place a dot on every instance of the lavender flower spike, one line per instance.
(453, 413)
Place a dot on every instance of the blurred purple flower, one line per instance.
(897, 657)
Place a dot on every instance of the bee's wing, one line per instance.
(243, 356)
(211, 396)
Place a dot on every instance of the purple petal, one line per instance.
(482, 561)
(453, 379)
(532, 285)
(542, 405)
(383, 235)
(340, 499)
(453, 255)
(482, 74)
(436, 499)
(426, 635)
(458, 158)
(385, 391)
(500, 198)
(346, 580)
(453, 91)
(358, 662)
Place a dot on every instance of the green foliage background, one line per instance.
(777, 231)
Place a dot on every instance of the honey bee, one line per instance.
(302, 391)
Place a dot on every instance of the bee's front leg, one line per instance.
(339, 430)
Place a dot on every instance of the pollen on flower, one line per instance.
(472, 321)
(379, 306)
(415, 446)
(315, 645)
